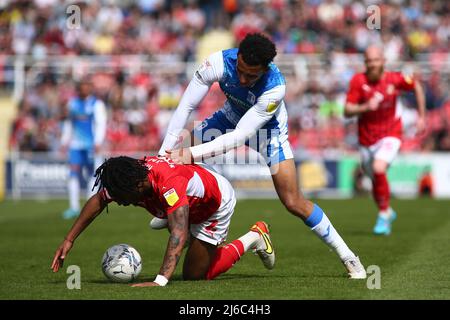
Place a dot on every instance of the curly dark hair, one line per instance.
(257, 50)
(121, 176)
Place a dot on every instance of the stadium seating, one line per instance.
(142, 58)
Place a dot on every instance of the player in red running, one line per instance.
(197, 203)
(372, 97)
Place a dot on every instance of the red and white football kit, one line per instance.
(210, 197)
(379, 131)
(385, 121)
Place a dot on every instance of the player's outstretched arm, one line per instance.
(246, 127)
(209, 72)
(179, 232)
(93, 207)
(253, 120)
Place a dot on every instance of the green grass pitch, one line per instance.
(414, 261)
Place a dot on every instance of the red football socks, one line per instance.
(381, 191)
(225, 258)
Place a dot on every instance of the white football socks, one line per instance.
(331, 237)
(249, 239)
(385, 213)
(74, 193)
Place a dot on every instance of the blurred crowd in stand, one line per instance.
(140, 102)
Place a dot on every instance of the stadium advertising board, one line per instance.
(405, 174)
(39, 176)
(36, 176)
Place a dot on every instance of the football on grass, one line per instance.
(121, 263)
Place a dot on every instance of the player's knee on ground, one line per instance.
(195, 270)
(192, 276)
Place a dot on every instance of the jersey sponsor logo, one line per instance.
(272, 105)
(230, 85)
(171, 197)
(236, 101)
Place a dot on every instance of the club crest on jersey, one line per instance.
(171, 197)
(390, 89)
(251, 97)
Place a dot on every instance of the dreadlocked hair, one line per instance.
(120, 175)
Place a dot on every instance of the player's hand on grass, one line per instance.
(180, 156)
(146, 284)
(60, 255)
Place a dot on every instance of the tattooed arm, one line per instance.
(179, 232)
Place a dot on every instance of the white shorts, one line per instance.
(215, 229)
(385, 149)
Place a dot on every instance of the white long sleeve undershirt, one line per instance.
(253, 120)
(194, 94)
(209, 72)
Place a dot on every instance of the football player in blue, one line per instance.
(254, 88)
(83, 133)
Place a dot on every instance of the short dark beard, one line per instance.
(371, 79)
